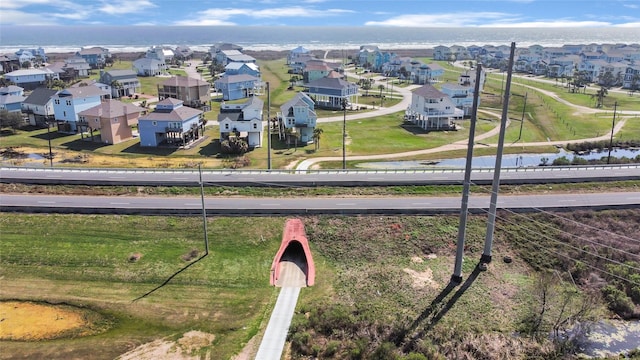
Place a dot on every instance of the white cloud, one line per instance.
(221, 17)
(631, 6)
(629, 25)
(17, 4)
(549, 24)
(14, 17)
(441, 20)
(126, 6)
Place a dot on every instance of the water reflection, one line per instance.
(510, 160)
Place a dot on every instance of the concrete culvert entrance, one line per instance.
(293, 267)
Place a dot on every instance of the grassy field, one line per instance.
(374, 274)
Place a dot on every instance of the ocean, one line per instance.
(56, 39)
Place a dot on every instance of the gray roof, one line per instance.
(180, 114)
(296, 101)
(453, 86)
(241, 58)
(184, 81)
(170, 101)
(83, 91)
(40, 96)
(146, 62)
(11, 99)
(230, 79)
(429, 92)
(330, 83)
(118, 73)
(91, 51)
(9, 89)
(111, 109)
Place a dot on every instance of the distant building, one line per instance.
(171, 123)
(112, 118)
(193, 92)
(242, 120)
(122, 82)
(96, 56)
(69, 102)
(432, 109)
(39, 106)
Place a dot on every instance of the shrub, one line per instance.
(618, 301)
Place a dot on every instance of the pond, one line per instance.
(509, 160)
(611, 337)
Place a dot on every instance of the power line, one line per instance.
(569, 245)
(548, 251)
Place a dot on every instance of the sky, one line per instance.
(389, 13)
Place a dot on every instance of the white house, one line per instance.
(432, 109)
(298, 114)
(243, 120)
(149, 67)
(39, 105)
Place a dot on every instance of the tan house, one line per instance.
(112, 118)
(193, 92)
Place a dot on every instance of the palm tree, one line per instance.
(600, 95)
(118, 86)
(380, 87)
(317, 134)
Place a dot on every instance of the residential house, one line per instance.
(242, 120)
(298, 114)
(193, 92)
(332, 92)
(432, 109)
(314, 72)
(29, 78)
(170, 123)
(460, 52)
(227, 56)
(462, 96)
(217, 48)
(183, 52)
(563, 66)
(234, 87)
(38, 106)
(421, 73)
(9, 63)
(11, 98)
(69, 102)
(122, 82)
(114, 119)
(95, 56)
(298, 53)
(442, 53)
(632, 77)
(37, 56)
(149, 67)
(87, 82)
(297, 65)
(238, 68)
(469, 79)
(77, 66)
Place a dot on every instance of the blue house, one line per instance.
(95, 56)
(69, 102)
(234, 87)
(299, 115)
(238, 68)
(331, 92)
(11, 98)
(171, 123)
(29, 78)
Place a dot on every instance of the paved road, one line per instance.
(283, 178)
(307, 206)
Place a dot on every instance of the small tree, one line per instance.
(317, 134)
(12, 120)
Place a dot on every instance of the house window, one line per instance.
(115, 120)
(96, 120)
(255, 126)
(64, 113)
(57, 101)
(154, 123)
(226, 126)
(69, 102)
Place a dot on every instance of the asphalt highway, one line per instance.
(238, 206)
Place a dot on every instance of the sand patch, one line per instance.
(27, 321)
(188, 347)
(422, 279)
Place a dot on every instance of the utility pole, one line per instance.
(613, 124)
(204, 214)
(488, 241)
(344, 133)
(49, 139)
(524, 109)
(268, 128)
(462, 227)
